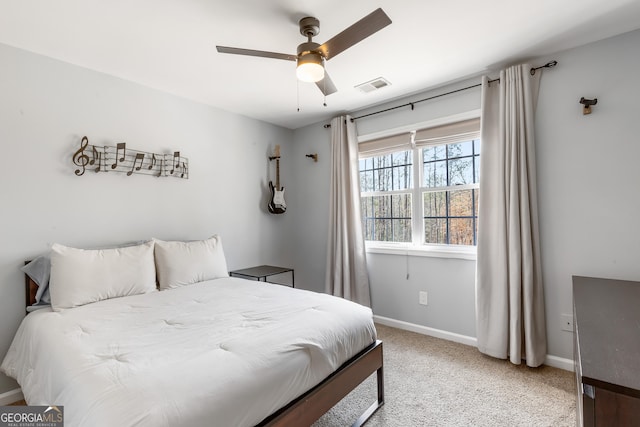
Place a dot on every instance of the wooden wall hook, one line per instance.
(587, 103)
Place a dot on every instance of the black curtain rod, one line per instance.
(532, 71)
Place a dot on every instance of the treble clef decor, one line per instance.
(81, 159)
(120, 158)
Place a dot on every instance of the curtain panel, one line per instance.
(509, 290)
(347, 275)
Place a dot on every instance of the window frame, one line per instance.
(393, 192)
(467, 252)
(448, 188)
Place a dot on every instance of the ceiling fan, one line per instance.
(311, 55)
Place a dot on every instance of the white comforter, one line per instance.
(226, 352)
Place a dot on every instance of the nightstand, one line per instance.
(261, 272)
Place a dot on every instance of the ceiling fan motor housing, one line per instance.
(309, 26)
(308, 48)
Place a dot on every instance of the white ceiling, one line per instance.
(170, 44)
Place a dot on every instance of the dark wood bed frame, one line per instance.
(306, 409)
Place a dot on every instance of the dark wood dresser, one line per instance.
(606, 316)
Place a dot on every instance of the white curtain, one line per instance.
(509, 294)
(347, 275)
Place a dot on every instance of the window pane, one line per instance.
(382, 230)
(402, 177)
(366, 206)
(476, 198)
(435, 174)
(435, 203)
(382, 161)
(381, 207)
(434, 153)
(476, 148)
(401, 158)
(461, 171)
(401, 206)
(435, 230)
(366, 181)
(387, 218)
(401, 230)
(461, 203)
(461, 231)
(460, 149)
(383, 179)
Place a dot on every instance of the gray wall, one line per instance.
(588, 173)
(588, 178)
(46, 106)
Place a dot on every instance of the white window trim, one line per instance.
(434, 251)
(422, 250)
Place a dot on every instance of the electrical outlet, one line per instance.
(567, 322)
(423, 297)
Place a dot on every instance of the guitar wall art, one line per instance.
(119, 158)
(277, 204)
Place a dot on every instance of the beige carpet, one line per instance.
(433, 382)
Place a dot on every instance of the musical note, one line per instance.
(139, 156)
(153, 162)
(176, 161)
(79, 158)
(94, 154)
(161, 166)
(99, 161)
(120, 146)
(184, 169)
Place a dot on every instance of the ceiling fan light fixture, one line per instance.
(310, 68)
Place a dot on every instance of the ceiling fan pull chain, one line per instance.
(324, 82)
(298, 94)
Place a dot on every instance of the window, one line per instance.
(386, 184)
(450, 193)
(442, 209)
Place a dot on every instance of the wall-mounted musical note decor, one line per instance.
(123, 159)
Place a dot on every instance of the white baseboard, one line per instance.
(425, 330)
(559, 362)
(554, 361)
(10, 396)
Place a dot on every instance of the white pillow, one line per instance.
(184, 263)
(82, 276)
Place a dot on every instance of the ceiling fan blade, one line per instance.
(359, 31)
(260, 53)
(326, 86)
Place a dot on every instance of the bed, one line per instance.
(219, 351)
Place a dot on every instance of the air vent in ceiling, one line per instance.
(374, 84)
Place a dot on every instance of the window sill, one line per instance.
(423, 251)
